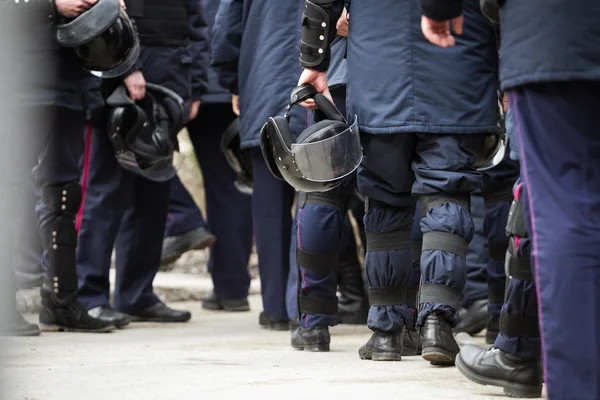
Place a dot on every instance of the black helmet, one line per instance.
(103, 38)
(239, 160)
(493, 147)
(144, 133)
(322, 156)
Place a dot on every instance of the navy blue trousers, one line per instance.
(557, 126)
(228, 211)
(184, 215)
(272, 201)
(118, 202)
(321, 229)
(395, 168)
(497, 186)
(476, 287)
(520, 300)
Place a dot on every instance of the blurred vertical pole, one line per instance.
(15, 134)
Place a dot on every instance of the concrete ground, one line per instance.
(218, 356)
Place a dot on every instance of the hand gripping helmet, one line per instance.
(322, 156)
(238, 159)
(144, 133)
(103, 38)
(493, 147)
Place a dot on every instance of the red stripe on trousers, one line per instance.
(86, 165)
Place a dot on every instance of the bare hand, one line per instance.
(235, 104)
(319, 81)
(342, 24)
(194, 109)
(72, 8)
(505, 103)
(136, 85)
(438, 33)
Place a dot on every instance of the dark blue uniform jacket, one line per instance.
(255, 54)
(399, 82)
(549, 40)
(215, 92)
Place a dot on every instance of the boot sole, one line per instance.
(510, 389)
(438, 356)
(60, 328)
(315, 348)
(176, 254)
(385, 356)
(161, 320)
(220, 307)
(280, 326)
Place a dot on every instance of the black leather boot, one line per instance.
(353, 304)
(492, 329)
(472, 320)
(383, 346)
(494, 367)
(311, 339)
(439, 345)
(63, 312)
(266, 321)
(214, 302)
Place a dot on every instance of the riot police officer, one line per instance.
(412, 120)
(59, 93)
(173, 38)
(551, 70)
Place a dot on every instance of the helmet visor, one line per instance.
(159, 172)
(331, 158)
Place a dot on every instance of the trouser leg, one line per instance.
(559, 142)
(108, 192)
(228, 211)
(271, 210)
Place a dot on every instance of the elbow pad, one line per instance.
(318, 31)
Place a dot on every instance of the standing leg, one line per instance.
(473, 314)
(497, 185)
(108, 191)
(557, 126)
(57, 174)
(271, 211)
(320, 234)
(445, 179)
(514, 361)
(385, 179)
(228, 212)
(138, 249)
(185, 227)
(353, 304)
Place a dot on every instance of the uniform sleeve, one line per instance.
(199, 47)
(226, 43)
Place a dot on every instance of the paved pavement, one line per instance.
(216, 356)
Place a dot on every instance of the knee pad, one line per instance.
(63, 199)
(60, 235)
(388, 241)
(443, 241)
(323, 263)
